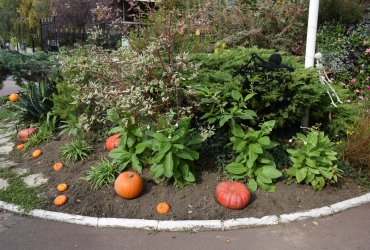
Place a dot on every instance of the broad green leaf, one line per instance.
(249, 96)
(235, 168)
(301, 174)
(160, 137)
(137, 132)
(252, 155)
(247, 115)
(237, 130)
(265, 140)
(224, 119)
(252, 185)
(255, 147)
(168, 165)
(261, 178)
(236, 95)
(164, 148)
(136, 165)
(184, 154)
(326, 173)
(271, 172)
(291, 172)
(116, 130)
(157, 170)
(178, 146)
(141, 147)
(119, 153)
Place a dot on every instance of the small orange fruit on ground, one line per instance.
(36, 153)
(20, 146)
(13, 97)
(60, 200)
(58, 166)
(163, 208)
(62, 187)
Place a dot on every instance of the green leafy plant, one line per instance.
(75, 151)
(44, 134)
(173, 152)
(225, 108)
(253, 160)
(312, 159)
(72, 127)
(35, 100)
(103, 173)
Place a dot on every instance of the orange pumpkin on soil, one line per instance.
(60, 200)
(58, 166)
(129, 185)
(13, 97)
(62, 187)
(233, 195)
(112, 142)
(36, 153)
(24, 134)
(163, 208)
(20, 146)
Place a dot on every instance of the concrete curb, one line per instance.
(191, 225)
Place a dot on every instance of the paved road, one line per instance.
(348, 230)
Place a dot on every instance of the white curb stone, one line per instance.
(128, 223)
(3, 184)
(35, 180)
(343, 205)
(190, 225)
(247, 222)
(313, 213)
(69, 218)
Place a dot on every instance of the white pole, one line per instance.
(311, 33)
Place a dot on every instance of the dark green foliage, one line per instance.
(284, 102)
(63, 99)
(341, 10)
(32, 67)
(35, 100)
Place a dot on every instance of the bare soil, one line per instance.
(192, 202)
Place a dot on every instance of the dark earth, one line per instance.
(190, 203)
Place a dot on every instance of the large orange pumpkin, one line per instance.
(112, 142)
(14, 97)
(129, 185)
(24, 134)
(233, 195)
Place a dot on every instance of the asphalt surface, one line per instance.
(347, 230)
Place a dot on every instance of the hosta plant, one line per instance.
(313, 160)
(253, 161)
(174, 152)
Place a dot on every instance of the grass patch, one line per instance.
(101, 174)
(18, 193)
(75, 151)
(44, 134)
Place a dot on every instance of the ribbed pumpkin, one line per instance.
(233, 195)
(14, 97)
(162, 208)
(58, 166)
(129, 185)
(112, 142)
(24, 134)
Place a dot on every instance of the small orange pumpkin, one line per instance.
(62, 187)
(14, 97)
(58, 166)
(36, 153)
(129, 185)
(60, 200)
(163, 208)
(20, 146)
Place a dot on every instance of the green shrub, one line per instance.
(284, 101)
(313, 160)
(103, 173)
(253, 161)
(75, 151)
(346, 11)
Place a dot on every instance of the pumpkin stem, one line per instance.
(130, 176)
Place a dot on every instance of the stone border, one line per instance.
(191, 225)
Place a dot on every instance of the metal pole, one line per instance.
(311, 33)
